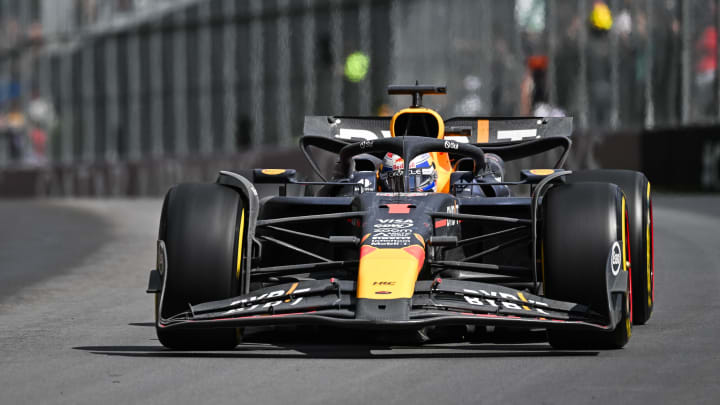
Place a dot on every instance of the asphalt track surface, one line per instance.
(76, 327)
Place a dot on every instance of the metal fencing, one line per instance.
(87, 81)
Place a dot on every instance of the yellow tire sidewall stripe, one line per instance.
(240, 244)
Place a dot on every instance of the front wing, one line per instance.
(333, 302)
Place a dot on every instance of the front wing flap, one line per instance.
(434, 302)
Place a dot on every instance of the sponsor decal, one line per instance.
(366, 144)
(451, 145)
(502, 299)
(457, 138)
(383, 283)
(272, 172)
(392, 232)
(516, 134)
(349, 133)
(391, 238)
(248, 304)
(394, 223)
(616, 259)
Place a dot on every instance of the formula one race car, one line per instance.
(445, 241)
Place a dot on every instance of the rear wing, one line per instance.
(482, 130)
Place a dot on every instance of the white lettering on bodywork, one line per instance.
(350, 133)
(516, 134)
(502, 295)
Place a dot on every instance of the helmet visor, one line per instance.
(419, 179)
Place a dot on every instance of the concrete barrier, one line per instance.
(684, 158)
(141, 178)
(680, 159)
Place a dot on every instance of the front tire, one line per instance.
(581, 223)
(639, 203)
(199, 225)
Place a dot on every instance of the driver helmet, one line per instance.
(422, 174)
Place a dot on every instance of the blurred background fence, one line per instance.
(97, 88)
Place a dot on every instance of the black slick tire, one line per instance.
(199, 225)
(580, 225)
(639, 203)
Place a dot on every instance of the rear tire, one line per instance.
(199, 225)
(637, 192)
(581, 223)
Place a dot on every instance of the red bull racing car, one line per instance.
(445, 241)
